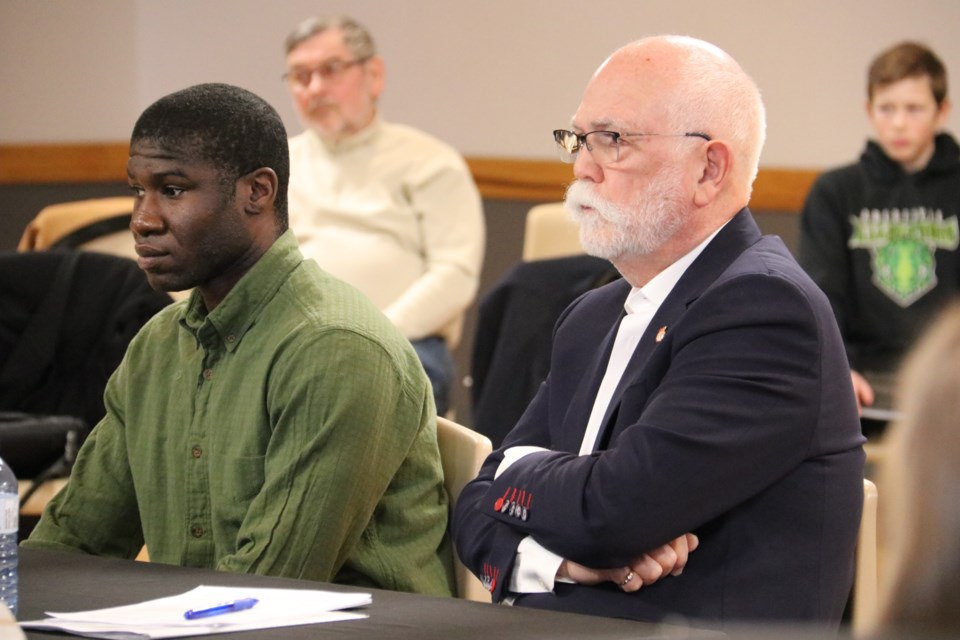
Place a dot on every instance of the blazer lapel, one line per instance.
(581, 404)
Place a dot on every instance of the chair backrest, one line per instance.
(98, 224)
(462, 452)
(39, 497)
(550, 232)
(865, 599)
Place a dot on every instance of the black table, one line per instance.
(56, 581)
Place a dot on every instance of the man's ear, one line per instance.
(261, 190)
(717, 164)
(376, 77)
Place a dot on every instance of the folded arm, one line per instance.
(336, 446)
(731, 413)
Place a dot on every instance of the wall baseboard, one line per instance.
(780, 189)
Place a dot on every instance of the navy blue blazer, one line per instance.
(735, 420)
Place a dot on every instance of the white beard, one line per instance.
(611, 231)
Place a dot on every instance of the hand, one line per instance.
(587, 576)
(672, 557)
(669, 559)
(862, 390)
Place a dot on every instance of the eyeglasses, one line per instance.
(329, 71)
(604, 146)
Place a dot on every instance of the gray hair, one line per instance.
(355, 36)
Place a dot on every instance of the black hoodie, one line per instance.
(882, 243)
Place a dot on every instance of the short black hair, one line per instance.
(230, 127)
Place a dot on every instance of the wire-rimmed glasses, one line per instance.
(604, 146)
(329, 71)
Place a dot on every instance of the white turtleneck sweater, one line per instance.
(394, 212)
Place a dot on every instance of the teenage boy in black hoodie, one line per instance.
(880, 236)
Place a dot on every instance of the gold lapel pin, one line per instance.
(661, 333)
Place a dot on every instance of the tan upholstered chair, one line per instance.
(99, 224)
(550, 232)
(38, 500)
(462, 452)
(865, 583)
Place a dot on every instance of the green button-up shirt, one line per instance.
(289, 432)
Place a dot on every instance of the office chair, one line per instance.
(462, 452)
(865, 599)
(550, 232)
(98, 224)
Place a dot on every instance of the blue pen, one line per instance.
(218, 609)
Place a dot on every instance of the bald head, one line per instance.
(679, 84)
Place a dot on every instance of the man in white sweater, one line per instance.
(385, 207)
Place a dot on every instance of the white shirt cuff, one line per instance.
(513, 454)
(535, 568)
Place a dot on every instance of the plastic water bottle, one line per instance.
(9, 524)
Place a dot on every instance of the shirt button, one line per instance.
(231, 338)
(197, 531)
(208, 374)
(197, 452)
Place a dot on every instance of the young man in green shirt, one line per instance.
(273, 423)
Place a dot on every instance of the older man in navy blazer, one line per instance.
(695, 450)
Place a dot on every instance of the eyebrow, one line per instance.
(159, 175)
(309, 66)
(606, 124)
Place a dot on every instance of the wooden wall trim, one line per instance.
(509, 179)
(497, 178)
(781, 189)
(539, 180)
(63, 163)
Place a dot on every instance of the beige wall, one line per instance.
(491, 77)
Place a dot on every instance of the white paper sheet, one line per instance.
(164, 617)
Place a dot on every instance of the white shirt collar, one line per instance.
(656, 291)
